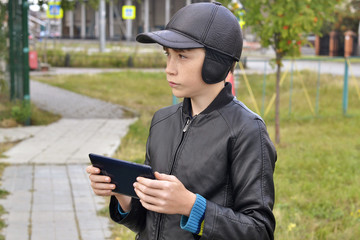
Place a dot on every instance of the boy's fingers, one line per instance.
(147, 197)
(151, 183)
(92, 170)
(148, 190)
(102, 186)
(103, 192)
(99, 178)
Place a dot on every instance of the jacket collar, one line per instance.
(224, 97)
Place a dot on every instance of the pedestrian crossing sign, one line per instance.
(128, 12)
(54, 10)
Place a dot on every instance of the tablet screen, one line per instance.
(122, 173)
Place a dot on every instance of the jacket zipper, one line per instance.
(186, 127)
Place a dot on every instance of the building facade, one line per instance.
(84, 21)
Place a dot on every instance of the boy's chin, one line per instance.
(177, 94)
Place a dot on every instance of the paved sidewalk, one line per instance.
(69, 141)
(50, 195)
(72, 105)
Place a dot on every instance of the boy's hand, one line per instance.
(166, 194)
(102, 186)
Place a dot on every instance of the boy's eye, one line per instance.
(182, 56)
(166, 53)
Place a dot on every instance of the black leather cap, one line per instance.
(197, 25)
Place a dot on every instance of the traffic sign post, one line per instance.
(128, 14)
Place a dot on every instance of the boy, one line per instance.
(213, 158)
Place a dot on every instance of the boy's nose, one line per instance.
(171, 67)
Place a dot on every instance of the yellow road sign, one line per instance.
(242, 23)
(128, 12)
(54, 10)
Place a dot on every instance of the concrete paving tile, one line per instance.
(17, 177)
(42, 196)
(18, 217)
(100, 136)
(82, 193)
(43, 207)
(45, 159)
(15, 234)
(17, 226)
(88, 220)
(68, 104)
(42, 184)
(65, 225)
(73, 159)
(10, 172)
(19, 201)
(62, 207)
(61, 188)
(42, 172)
(62, 195)
(79, 181)
(66, 234)
(45, 217)
(24, 171)
(43, 233)
(78, 194)
(85, 207)
(93, 235)
(66, 217)
(19, 133)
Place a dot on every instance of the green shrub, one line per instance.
(57, 58)
(21, 112)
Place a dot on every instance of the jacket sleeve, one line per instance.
(252, 159)
(135, 220)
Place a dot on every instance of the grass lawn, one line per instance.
(317, 173)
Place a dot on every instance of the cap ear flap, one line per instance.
(216, 66)
(213, 71)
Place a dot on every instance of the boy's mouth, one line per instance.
(173, 84)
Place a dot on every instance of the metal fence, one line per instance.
(309, 87)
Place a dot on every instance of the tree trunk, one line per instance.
(277, 102)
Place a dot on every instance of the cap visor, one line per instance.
(168, 39)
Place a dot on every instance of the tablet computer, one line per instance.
(122, 173)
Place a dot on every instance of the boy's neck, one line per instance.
(200, 103)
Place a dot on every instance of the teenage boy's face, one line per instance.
(183, 72)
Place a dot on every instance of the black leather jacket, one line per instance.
(223, 154)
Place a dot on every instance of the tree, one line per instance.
(347, 17)
(284, 26)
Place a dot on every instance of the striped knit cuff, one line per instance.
(193, 222)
